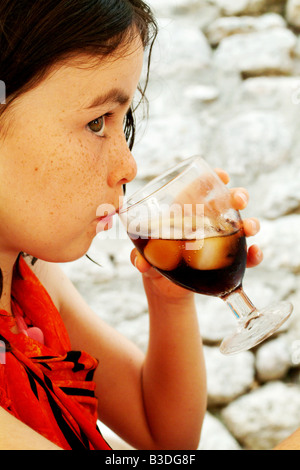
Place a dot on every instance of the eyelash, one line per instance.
(100, 118)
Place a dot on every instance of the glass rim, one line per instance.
(185, 165)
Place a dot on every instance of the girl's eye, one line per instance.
(97, 126)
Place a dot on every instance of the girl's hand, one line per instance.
(240, 198)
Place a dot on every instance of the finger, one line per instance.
(251, 227)
(255, 256)
(139, 261)
(133, 256)
(223, 175)
(240, 198)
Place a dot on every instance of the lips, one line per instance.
(105, 223)
(105, 214)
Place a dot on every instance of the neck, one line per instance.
(7, 262)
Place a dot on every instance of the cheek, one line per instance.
(71, 170)
(57, 177)
(51, 185)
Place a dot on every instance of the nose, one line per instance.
(123, 168)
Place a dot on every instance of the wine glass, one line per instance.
(184, 224)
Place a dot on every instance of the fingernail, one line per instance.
(259, 254)
(243, 198)
(254, 224)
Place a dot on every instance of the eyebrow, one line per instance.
(113, 96)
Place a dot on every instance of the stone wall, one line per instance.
(225, 83)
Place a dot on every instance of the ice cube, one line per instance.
(214, 253)
(164, 254)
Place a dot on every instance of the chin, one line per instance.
(73, 255)
(74, 252)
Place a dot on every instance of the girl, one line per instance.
(71, 70)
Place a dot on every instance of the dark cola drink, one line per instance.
(214, 265)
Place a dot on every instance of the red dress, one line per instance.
(43, 382)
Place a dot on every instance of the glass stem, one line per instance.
(239, 303)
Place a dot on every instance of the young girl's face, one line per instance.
(65, 154)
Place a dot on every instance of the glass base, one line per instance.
(256, 328)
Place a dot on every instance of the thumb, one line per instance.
(139, 261)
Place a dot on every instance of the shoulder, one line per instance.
(291, 443)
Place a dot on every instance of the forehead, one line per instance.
(76, 82)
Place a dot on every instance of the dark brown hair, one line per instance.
(36, 34)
